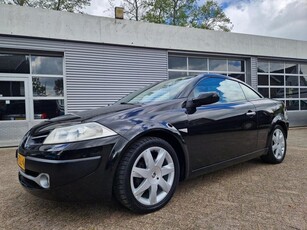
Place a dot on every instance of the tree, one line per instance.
(188, 13)
(157, 12)
(210, 16)
(19, 2)
(58, 87)
(60, 5)
(172, 12)
(64, 5)
(38, 88)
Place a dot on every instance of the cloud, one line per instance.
(102, 8)
(275, 18)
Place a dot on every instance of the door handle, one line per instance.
(251, 113)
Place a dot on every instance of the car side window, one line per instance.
(228, 90)
(249, 93)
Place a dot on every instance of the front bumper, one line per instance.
(88, 177)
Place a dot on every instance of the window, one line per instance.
(264, 92)
(237, 76)
(217, 65)
(286, 81)
(47, 65)
(303, 69)
(46, 109)
(276, 67)
(177, 63)
(228, 91)
(197, 63)
(12, 100)
(277, 92)
(303, 104)
(249, 93)
(292, 80)
(12, 89)
(291, 68)
(277, 80)
(14, 63)
(180, 66)
(303, 93)
(263, 79)
(303, 81)
(12, 110)
(236, 66)
(263, 67)
(176, 74)
(47, 86)
(162, 91)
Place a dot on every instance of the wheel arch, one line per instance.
(173, 138)
(283, 125)
(280, 122)
(177, 146)
(268, 157)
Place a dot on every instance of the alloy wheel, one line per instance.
(278, 144)
(152, 176)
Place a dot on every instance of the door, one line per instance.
(224, 130)
(14, 109)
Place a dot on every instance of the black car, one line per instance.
(140, 148)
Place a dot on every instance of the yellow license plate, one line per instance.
(21, 161)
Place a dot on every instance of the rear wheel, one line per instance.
(277, 146)
(147, 175)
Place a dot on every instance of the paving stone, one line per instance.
(251, 195)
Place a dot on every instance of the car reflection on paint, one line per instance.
(138, 149)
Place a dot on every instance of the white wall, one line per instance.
(25, 21)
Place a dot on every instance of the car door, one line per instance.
(266, 110)
(223, 130)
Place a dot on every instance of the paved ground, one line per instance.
(251, 195)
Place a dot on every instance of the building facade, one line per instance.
(52, 63)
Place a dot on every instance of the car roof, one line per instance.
(200, 76)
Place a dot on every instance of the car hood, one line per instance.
(118, 117)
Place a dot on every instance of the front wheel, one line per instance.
(277, 146)
(147, 175)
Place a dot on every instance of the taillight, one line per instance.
(44, 116)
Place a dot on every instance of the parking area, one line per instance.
(252, 195)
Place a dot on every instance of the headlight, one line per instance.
(79, 132)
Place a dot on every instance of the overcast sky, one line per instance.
(275, 18)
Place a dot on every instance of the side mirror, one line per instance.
(203, 99)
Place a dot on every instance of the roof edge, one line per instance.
(42, 23)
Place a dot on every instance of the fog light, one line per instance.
(44, 180)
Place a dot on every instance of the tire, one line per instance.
(277, 146)
(147, 175)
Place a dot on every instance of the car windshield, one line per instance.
(162, 91)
